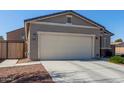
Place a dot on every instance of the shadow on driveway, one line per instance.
(1, 60)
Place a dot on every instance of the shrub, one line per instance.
(117, 59)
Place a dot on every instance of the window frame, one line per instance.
(69, 19)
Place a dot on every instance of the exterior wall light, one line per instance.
(96, 37)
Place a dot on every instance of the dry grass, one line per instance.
(25, 74)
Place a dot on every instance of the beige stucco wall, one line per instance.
(48, 28)
(63, 19)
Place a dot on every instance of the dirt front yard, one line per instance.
(25, 74)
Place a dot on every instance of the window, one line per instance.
(105, 40)
(69, 19)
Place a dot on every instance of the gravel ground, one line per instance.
(25, 74)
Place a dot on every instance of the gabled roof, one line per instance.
(69, 11)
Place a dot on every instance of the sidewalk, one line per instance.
(13, 63)
(8, 63)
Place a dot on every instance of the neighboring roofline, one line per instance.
(15, 30)
(71, 11)
(115, 43)
(121, 44)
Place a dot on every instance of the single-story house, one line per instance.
(18, 34)
(65, 35)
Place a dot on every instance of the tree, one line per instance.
(119, 40)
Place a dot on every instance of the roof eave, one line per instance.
(110, 32)
(67, 11)
(30, 19)
(71, 11)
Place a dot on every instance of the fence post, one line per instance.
(6, 49)
(1, 50)
(23, 49)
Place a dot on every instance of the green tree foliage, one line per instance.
(119, 40)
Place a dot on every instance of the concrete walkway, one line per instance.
(84, 71)
(12, 63)
(8, 63)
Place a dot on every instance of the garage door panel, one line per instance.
(65, 46)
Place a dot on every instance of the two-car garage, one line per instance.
(65, 46)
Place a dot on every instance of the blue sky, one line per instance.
(111, 19)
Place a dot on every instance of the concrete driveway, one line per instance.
(84, 71)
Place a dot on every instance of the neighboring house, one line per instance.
(18, 34)
(119, 48)
(1, 38)
(115, 43)
(65, 35)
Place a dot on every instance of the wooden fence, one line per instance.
(12, 49)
